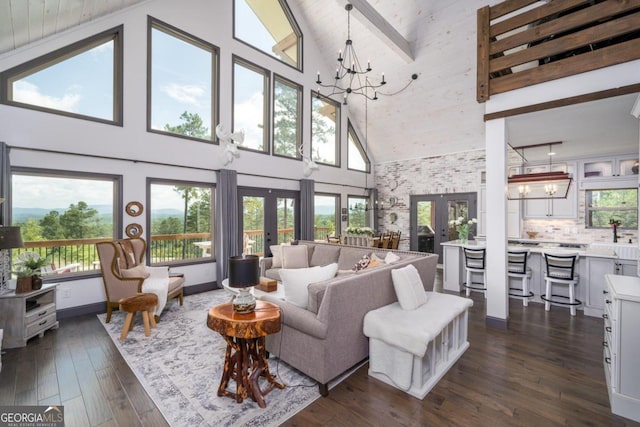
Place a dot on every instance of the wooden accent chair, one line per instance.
(118, 255)
(395, 240)
(385, 241)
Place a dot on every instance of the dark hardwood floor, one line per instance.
(545, 370)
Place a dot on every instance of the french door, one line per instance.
(430, 216)
(267, 217)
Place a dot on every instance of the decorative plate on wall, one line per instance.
(134, 208)
(133, 230)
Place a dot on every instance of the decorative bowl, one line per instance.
(532, 234)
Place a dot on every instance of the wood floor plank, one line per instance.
(65, 370)
(92, 395)
(75, 413)
(121, 408)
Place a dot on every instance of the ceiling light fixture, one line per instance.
(543, 185)
(351, 77)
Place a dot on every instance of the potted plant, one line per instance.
(27, 268)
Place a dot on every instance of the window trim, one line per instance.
(300, 111)
(352, 131)
(266, 89)
(147, 233)
(338, 146)
(117, 206)
(588, 209)
(338, 215)
(153, 23)
(296, 30)
(57, 56)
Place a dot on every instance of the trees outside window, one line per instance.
(181, 218)
(325, 131)
(602, 206)
(62, 215)
(287, 118)
(358, 213)
(326, 215)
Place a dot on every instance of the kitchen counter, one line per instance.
(594, 262)
(539, 247)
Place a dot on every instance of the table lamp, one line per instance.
(10, 238)
(244, 272)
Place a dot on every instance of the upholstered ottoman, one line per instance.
(412, 349)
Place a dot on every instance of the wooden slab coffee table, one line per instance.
(244, 334)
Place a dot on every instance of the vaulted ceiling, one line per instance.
(436, 114)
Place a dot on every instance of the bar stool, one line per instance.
(561, 270)
(474, 262)
(518, 269)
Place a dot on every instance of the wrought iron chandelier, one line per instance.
(351, 77)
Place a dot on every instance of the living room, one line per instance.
(437, 119)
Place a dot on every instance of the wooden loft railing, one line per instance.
(521, 45)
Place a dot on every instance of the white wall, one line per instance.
(212, 22)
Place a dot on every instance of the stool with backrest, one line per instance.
(517, 268)
(561, 270)
(475, 262)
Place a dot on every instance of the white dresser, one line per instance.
(622, 344)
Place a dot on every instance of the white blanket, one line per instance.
(157, 283)
(411, 330)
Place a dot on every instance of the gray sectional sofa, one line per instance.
(325, 339)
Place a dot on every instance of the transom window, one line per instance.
(62, 215)
(181, 218)
(287, 114)
(251, 104)
(325, 131)
(326, 215)
(268, 25)
(357, 158)
(82, 80)
(182, 93)
(605, 206)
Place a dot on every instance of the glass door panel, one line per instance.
(456, 209)
(253, 225)
(426, 223)
(286, 211)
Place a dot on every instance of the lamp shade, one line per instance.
(10, 238)
(244, 271)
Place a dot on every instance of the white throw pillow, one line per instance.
(276, 251)
(135, 272)
(296, 281)
(295, 256)
(409, 288)
(391, 257)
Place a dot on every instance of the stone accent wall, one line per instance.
(451, 173)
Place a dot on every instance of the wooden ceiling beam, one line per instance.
(382, 28)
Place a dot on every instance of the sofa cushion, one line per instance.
(350, 256)
(324, 255)
(296, 281)
(374, 262)
(276, 251)
(273, 273)
(409, 288)
(295, 256)
(391, 258)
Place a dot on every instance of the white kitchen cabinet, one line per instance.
(621, 347)
(612, 172)
(553, 208)
(627, 267)
(592, 279)
(514, 218)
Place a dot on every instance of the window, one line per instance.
(82, 80)
(287, 118)
(181, 218)
(358, 211)
(602, 206)
(182, 83)
(62, 215)
(268, 25)
(326, 215)
(250, 104)
(357, 158)
(325, 116)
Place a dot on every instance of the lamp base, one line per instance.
(244, 301)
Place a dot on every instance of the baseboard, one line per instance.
(494, 322)
(101, 307)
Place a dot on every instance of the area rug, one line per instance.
(181, 363)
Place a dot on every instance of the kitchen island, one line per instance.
(593, 264)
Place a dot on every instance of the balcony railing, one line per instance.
(520, 44)
(80, 255)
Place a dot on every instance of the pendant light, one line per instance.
(543, 185)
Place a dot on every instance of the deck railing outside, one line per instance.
(80, 255)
